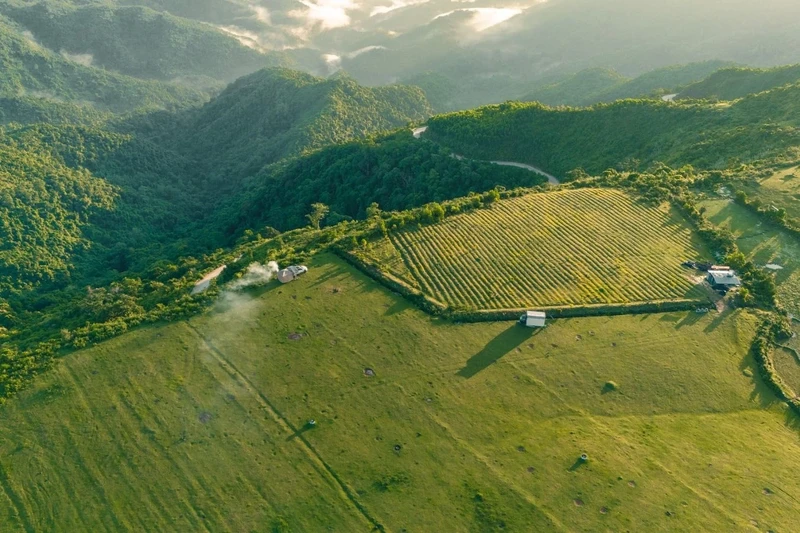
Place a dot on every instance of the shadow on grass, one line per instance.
(761, 391)
(578, 463)
(689, 319)
(299, 431)
(496, 349)
(719, 319)
(397, 307)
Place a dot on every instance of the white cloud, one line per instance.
(83, 59)
(325, 14)
(484, 18)
(364, 50)
(261, 14)
(395, 4)
(333, 62)
(245, 37)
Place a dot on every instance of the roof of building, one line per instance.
(536, 314)
(724, 277)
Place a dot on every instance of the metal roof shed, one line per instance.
(723, 278)
(534, 319)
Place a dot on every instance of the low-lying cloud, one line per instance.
(484, 18)
(82, 59)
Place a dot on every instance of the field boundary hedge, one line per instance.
(762, 348)
(437, 308)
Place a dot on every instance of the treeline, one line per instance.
(396, 171)
(626, 135)
(738, 82)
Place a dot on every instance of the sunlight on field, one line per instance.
(585, 246)
(420, 424)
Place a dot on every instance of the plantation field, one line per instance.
(763, 244)
(575, 247)
(201, 425)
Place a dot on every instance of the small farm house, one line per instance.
(291, 273)
(533, 319)
(723, 279)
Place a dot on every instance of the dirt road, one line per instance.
(552, 180)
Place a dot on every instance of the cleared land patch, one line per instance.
(462, 427)
(764, 244)
(574, 247)
(782, 190)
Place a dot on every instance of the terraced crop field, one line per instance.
(578, 247)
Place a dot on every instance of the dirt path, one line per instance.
(552, 180)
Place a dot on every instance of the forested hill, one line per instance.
(628, 132)
(138, 41)
(597, 85)
(733, 83)
(275, 113)
(29, 69)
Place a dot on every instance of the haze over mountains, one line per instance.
(477, 52)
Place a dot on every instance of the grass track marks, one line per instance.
(16, 502)
(231, 369)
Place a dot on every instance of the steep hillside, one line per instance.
(396, 171)
(137, 41)
(593, 86)
(577, 90)
(45, 207)
(661, 81)
(30, 69)
(626, 134)
(733, 83)
(275, 113)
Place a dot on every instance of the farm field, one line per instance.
(201, 425)
(574, 247)
(782, 190)
(764, 244)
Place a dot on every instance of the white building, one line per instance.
(533, 319)
(723, 279)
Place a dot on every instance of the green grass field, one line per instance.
(574, 247)
(200, 425)
(782, 189)
(764, 244)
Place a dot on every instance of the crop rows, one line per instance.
(587, 246)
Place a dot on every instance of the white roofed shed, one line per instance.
(534, 319)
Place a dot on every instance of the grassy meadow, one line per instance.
(764, 244)
(573, 247)
(421, 424)
(782, 189)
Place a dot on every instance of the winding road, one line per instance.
(552, 180)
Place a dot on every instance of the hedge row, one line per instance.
(762, 348)
(394, 284)
(435, 307)
(636, 308)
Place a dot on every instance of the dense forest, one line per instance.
(275, 113)
(29, 69)
(138, 41)
(597, 85)
(627, 133)
(734, 83)
(396, 171)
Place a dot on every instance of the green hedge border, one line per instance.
(762, 349)
(437, 308)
